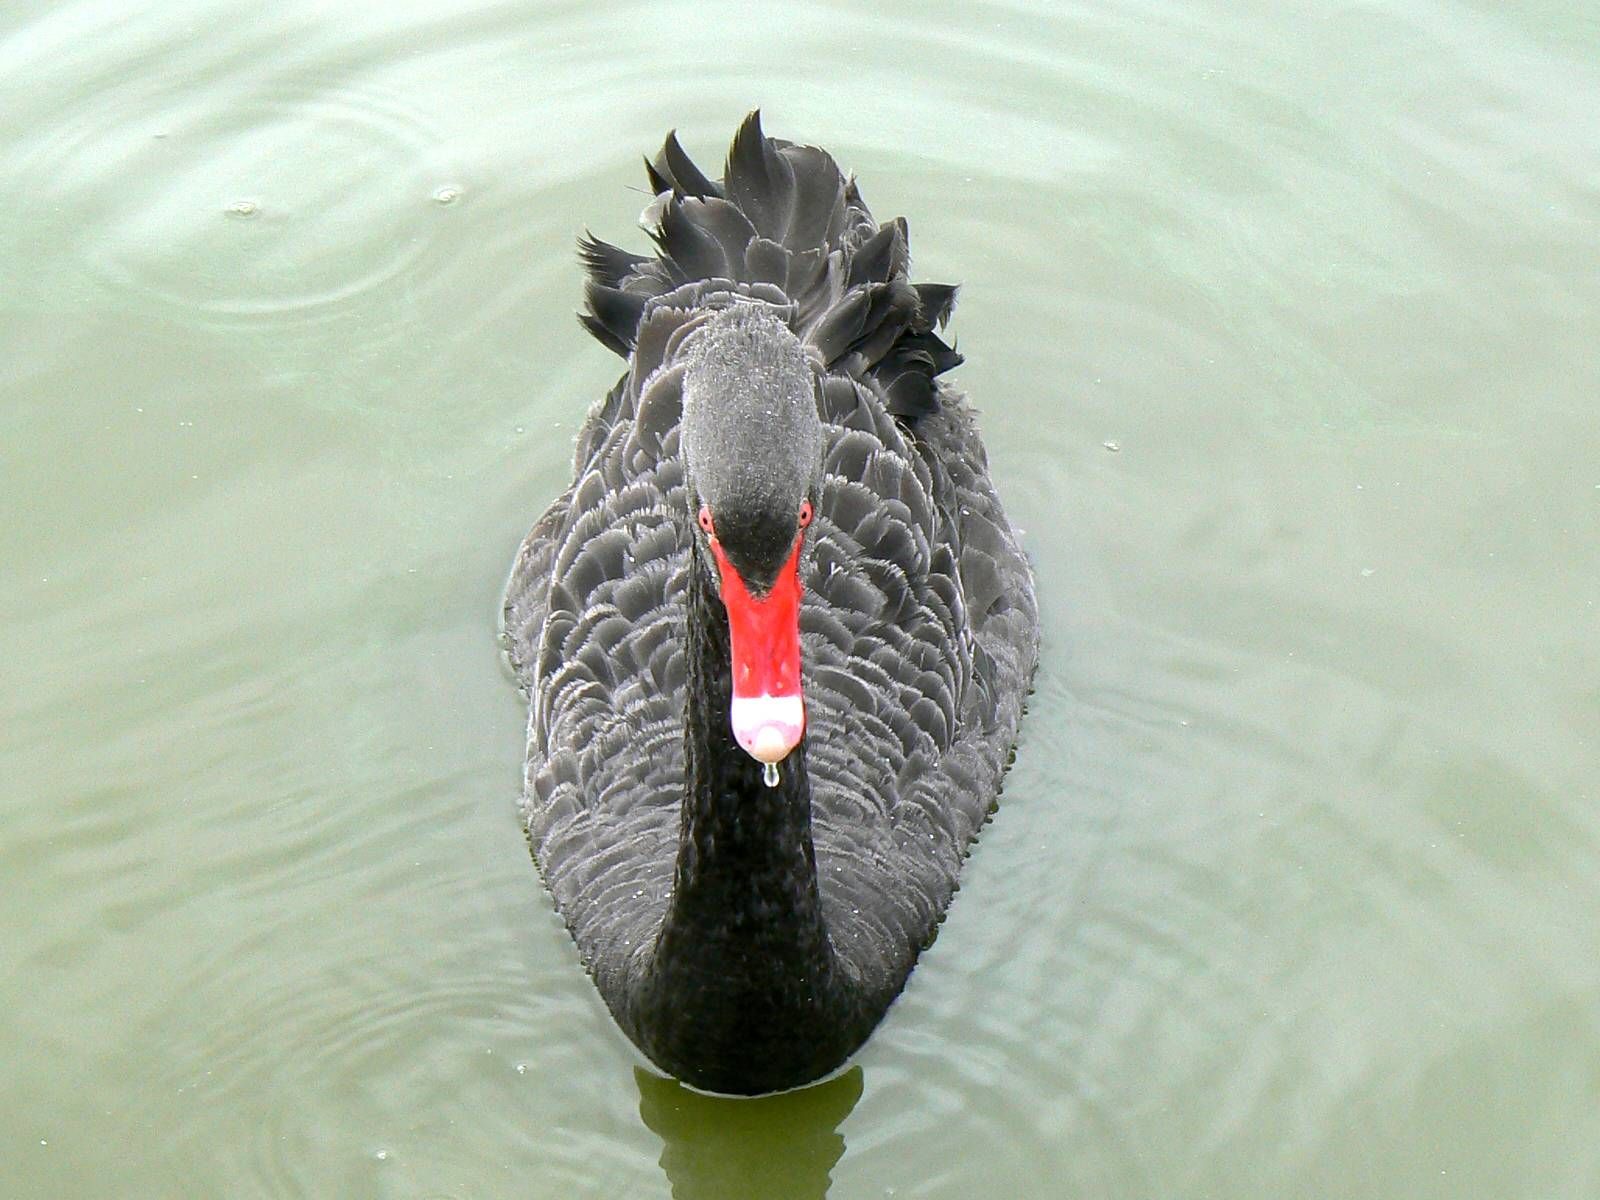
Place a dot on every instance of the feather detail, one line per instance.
(678, 168)
(606, 264)
(783, 215)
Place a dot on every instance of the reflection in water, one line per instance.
(778, 1147)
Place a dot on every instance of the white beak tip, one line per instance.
(768, 727)
(770, 745)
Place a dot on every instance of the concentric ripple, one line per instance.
(206, 177)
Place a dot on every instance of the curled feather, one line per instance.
(783, 216)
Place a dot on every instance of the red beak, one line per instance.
(768, 714)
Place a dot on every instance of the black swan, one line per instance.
(777, 633)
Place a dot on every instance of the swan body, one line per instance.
(776, 634)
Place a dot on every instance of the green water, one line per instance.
(1284, 324)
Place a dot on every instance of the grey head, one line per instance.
(751, 436)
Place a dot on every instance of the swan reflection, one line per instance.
(781, 1147)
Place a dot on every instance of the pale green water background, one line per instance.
(1295, 891)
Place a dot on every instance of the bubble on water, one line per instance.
(448, 194)
(243, 210)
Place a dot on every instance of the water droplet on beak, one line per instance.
(769, 774)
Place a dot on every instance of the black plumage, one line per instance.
(749, 938)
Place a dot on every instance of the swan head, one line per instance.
(752, 449)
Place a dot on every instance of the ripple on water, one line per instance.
(1233, 915)
(259, 206)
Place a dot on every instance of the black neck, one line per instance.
(744, 992)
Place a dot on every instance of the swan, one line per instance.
(777, 633)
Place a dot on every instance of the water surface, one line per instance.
(1284, 327)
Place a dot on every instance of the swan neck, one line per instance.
(743, 992)
(745, 853)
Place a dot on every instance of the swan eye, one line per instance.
(705, 520)
(805, 513)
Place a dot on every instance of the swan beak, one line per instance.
(768, 713)
(768, 727)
